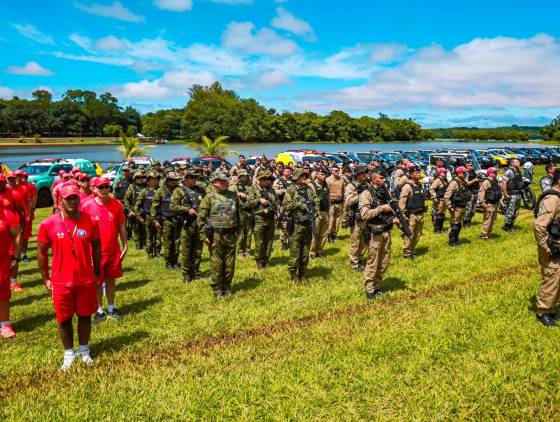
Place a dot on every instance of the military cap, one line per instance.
(192, 173)
(299, 172)
(242, 172)
(138, 174)
(360, 169)
(264, 174)
(219, 175)
(183, 166)
(153, 175)
(379, 170)
(414, 169)
(321, 170)
(171, 175)
(157, 163)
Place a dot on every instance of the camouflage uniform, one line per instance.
(322, 220)
(119, 190)
(280, 186)
(437, 191)
(161, 211)
(135, 220)
(470, 210)
(514, 181)
(143, 208)
(246, 222)
(456, 198)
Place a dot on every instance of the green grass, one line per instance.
(455, 338)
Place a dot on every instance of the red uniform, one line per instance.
(26, 194)
(72, 276)
(108, 216)
(8, 220)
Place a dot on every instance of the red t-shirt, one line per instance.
(71, 248)
(19, 203)
(7, 200)
(8, 220)
(108, 216)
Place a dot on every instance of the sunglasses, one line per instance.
(103, 187)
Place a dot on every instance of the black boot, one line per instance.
(454, 234)
(438, 224)
(466, 223)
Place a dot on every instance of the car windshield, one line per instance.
(413, 156)
(335, 159)
(37, 170)
(311, 158)
(391, 156)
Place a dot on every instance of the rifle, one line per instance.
(137, 217)
(271, 205)
(310, 215)
(208, 230)
(394, 204)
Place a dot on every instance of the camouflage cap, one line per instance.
(153, 175)
(157, 163)
(242, 172)
(172, 176)
(299, 172)
(138, 174)
(192, 173)
(360, 169)
(264, 174)
(219, 175)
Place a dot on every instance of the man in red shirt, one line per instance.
(76, 257)
(10, 249)
(63, 178)
(31, 193)
(109, 214)
(20, 205)
(85, 188)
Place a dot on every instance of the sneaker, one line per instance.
(114, 314)
(7, 331)
(99, 317)
(87, 359)
(66, 364)
(16, 287)
(25, 259)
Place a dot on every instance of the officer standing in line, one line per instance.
(547, 235)
(264, 204)
(411, 204)
(437, 191)
(336, 194)
(245, 223)
(546, 181)
(166, 220)
(143, 208)
(156, 168)
(280, 186)
(351, 196)
(378, 217)
(512, 188)
(319, 185)
(473, 182)
(456, 198)
(301, 204)
(135, 220)
(218, 225)
(488, 197)
(185, 201)
(119, 190)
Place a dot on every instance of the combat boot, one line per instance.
(375, 294)
(284, 246)
(187, 278)
(466, 223)
(547, 320)
(508, 227)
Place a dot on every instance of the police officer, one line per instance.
(246, 216)
(264, 204)
(473, 182)
(411, 204)
(437, 192)
(135, 220)
(218, 225)
(280, 186)
(336, 186)
(321, 188)
(456, 198)
(547, 235)
(378, 219)
(119, 190)
(489, 196)
(546, 181)
(157, 169)
(166, 220)
(143, 208)
(351, 197)
(301, 204)
(512, 188)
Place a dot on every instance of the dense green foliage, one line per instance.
(551, 132)
(509, 133)
(207, 146)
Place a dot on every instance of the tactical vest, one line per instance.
(285, 185)
(122, 188)
(415, 202)
(359, 189)
(461, 196)
(471, 174)
(147, 205)
(515, 185)
(385, 220)
(165, 201)
(553, 241)
(222, 211)
(135, 192)
(440, 192)
(336, 190)
(194, 196)
(323, 194)
(493, 193)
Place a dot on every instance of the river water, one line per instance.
(105, 154)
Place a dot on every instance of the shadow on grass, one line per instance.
(319, 272)
(133, 284)
(30, 323)
(248, 283)
(33, 283)
(26, 271)
(139, 306)
(28, 299)
(117, 343)
(278, 260)
(422, 250)
(532, 304)
(393, 283)
(331, 251)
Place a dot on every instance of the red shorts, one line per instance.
(5, 292)
(111, 267)
(80, 300)
(28, 230)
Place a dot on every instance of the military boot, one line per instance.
(466, 223)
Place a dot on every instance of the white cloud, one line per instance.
(115, 10)
(144, 90)
(387, 52)
(239, 36)
(288, 22)
(83, 42)
(272, 79)
(29, 31)
(113, 61)
(485, 72)
(232, 1)
(30, 69)
(6, 92)
(217, 59)
(174, 5)
(110, 43)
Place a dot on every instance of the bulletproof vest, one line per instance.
(462, 196)
(359, 189)
(194, 195)
(553, 240)
(493, 193)
(147, 205)
(336, 190)
(166, 200)
(471, 174)
(135, 192)
(440, 192)
(303, 194)
(322, 192)
(515, 185)
(222, 211)
(265, 193)
(243, 188)
(378, 198)
(416, 200)
(122, 188)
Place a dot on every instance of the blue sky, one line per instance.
(443, 63)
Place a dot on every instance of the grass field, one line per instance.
(455, 338)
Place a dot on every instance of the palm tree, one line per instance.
(208, 146)
(130, 147)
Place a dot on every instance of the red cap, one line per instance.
(409, 165)
(441, 171)
(18, 173)
(11, 175)
(460, 169)
(76, 169)
(25, 174)
(100, 181)
(491, 170)
(68, 189)
(83, 176)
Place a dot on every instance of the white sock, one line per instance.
(69, 356)
(4, 324)
(100, 310)
(111, 308)
(83, 349)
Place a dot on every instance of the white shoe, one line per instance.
(67, 363)
(87, 359)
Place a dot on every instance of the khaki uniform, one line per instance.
(379, 245)
(456, 210)
(456, 214)
(322, 220)
(548, 294)
(280, 186)
(357, 245)
(438, 204)
(336, 192)
(490, 211)
(397, 175)
(415, 218)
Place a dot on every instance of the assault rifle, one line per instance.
(394, 204)
(310, 215)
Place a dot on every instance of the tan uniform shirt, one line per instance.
(406, 192)
(366, 212)
(336, 187)
(451, 189)
(549, 209)
(436, 184)
(484, 186)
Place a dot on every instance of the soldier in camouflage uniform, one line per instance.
(135, 220)
(218, 225)
(264, 203)
(280, 186)
(246, 215)
(321, 188)
(143, 208)
(301, 204)
(166, 220)
(185, 201)
(119, 190)
(512, 188)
